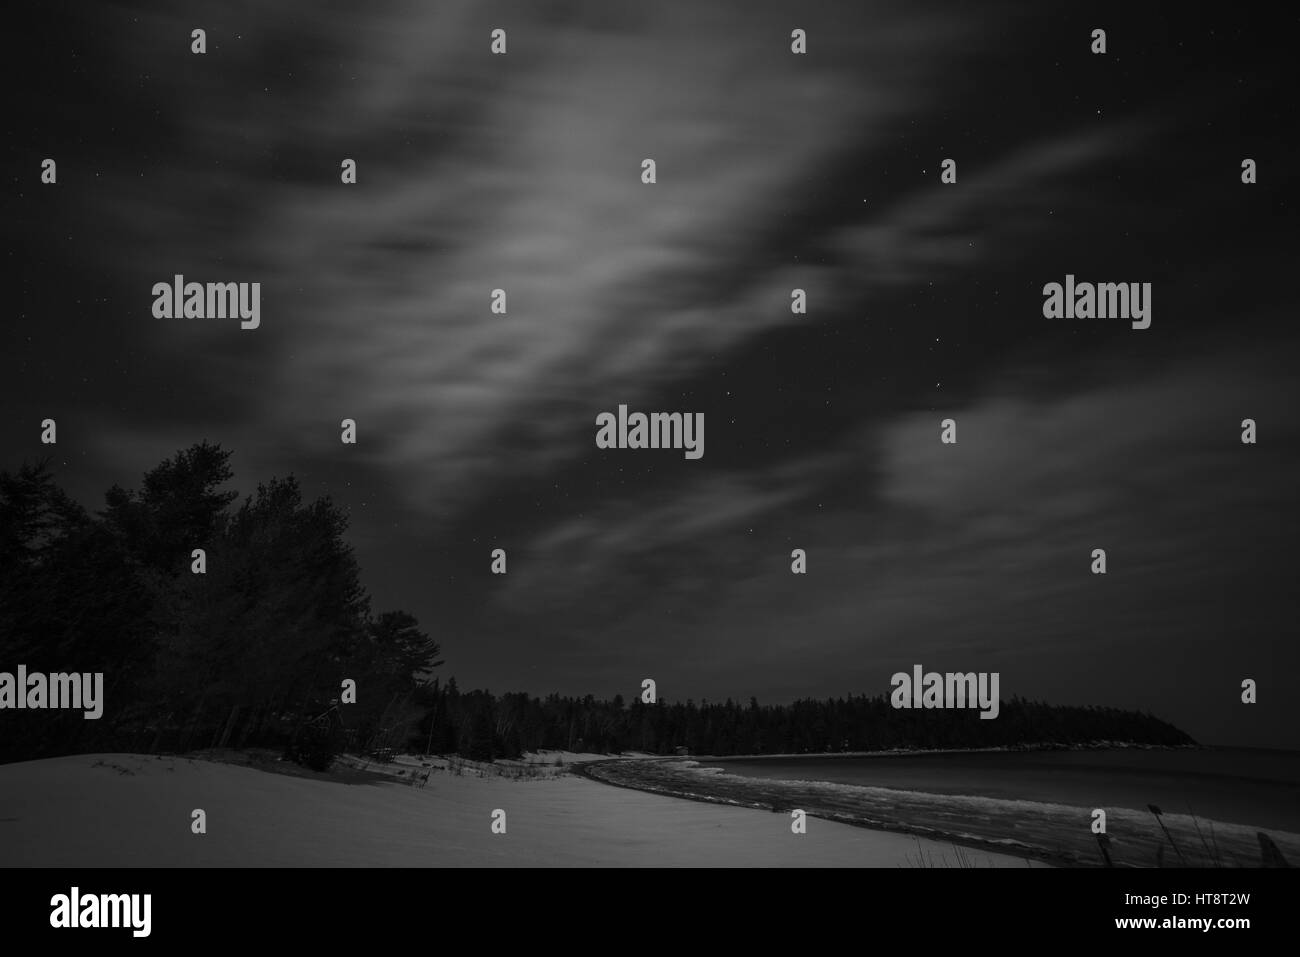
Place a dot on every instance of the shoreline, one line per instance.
(997, 846)
(1051, 833)
(918, 752)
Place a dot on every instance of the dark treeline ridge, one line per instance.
(254, 651)
(482, 726)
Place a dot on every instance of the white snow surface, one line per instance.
(104, 810)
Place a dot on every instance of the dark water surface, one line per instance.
(1241, 786)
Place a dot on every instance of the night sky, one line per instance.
(775, 171)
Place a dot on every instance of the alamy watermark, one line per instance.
(1103, 300)
(179, 299)
(39, 691)
(951, 690)
(75, 909)
(658, 430)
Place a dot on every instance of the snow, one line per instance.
(135, 810)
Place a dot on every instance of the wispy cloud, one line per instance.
(522, 172)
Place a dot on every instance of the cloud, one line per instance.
(1131, 433)
(976, 555)
(522, 172)
(517, 172)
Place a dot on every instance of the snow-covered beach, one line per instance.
(136, 810)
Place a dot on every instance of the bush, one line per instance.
(316, 745)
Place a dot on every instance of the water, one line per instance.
(1242, 786)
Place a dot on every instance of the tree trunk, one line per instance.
(230, 726)
(187, 732)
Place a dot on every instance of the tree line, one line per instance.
(482, 726)
(253, 651)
